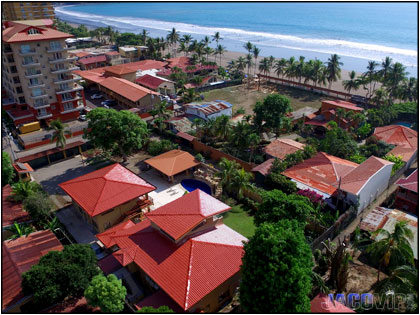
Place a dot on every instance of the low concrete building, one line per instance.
(133, 53)
(208, 110)
(407, 197)
(157, 84)
(91, 62)
(109, 196)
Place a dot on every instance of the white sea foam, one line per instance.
(342, 47)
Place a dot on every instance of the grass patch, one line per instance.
(240, 221)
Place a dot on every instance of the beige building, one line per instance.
(13, 11)
(37, 74)
(133, 53)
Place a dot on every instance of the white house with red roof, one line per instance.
(331, 176)
(109, 195)
(182, 251)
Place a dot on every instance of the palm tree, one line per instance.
(393, 250)
(264, 66)
(216, 37)
(186, 39)
(183, 48)
(271, 61)
(253, 140)
(333, 69)
(386, 67)
(52, 225)
(380, 97)
(396, 75)
(249, 64)
(220, 50)
(280, 67)
(59, 135)
(352, 83)
(370, 77)
(197, 123)
(300, 68)
(255, 52)
(223, 127)
(173, 37)
(318, 72)
(291, 68)
(190, 95)
(144, 35)
(403, 279)
(208, 51)
(241, 64)
(228, 169)
(206, 41)
(19, 230)
(248, 46)
(241, 182)
(161, 110)
(410, 90)
(22, 190)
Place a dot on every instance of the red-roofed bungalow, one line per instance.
(109, 195)
(183, 253)
(407, 198)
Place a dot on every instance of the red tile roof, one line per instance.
(264, 167)
(353, 181)
(150, 81)
(119, 69)
(411, 182)
(19, 33)
(112, 53)
(27, 169)
(92, 59)
(94, 75)
(127, 89)
(186, 272)
(279, 148)
(322, 304)
(404, 138)
(321, 171)
(172, 162)
(180, 216)
(185, 136)
(106, 189)
(344, 104)
(80, 54)
(11, 211)
(20, 255)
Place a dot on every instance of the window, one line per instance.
(36, 92)
(16, 80)
(223, 296)
(68, 106)
(27, 60)
(66, 96)
(32, 71)
(33, 31)
(19, 90)
(39, 102)
(58, 56)
(22, 100)
(55, 45)
(13, 69)
(33, 81)
(64, 86)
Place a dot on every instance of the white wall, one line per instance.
(226, 111)
(374, 187)
(196, 112)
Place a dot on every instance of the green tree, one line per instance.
(352, 83)
(173, 37)
(277, 270)
(393, 249)
(220, 50)
(106, 292)
(60, 274)
(121, 132)
(7, 171)
(333, 69)
(364, 131)
(281, 182)
(271, 110)
(160, 309)
(241, 182)
(22, 190)
(19, 230)
(255, 52)
(227, 171)
(397, 160)
(338, 142)
(39, 207)
(276, 206)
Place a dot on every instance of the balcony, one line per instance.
(40, 84)
(69, 89)
(56, 49)
(42, 105)
(43, 115)
(33, 75)
(67, 59)
(33, 63)
(56, 71)
(7, 51)
(29, 52)
(72, 109)
(67, 79)
(39, 96)
(66, 100)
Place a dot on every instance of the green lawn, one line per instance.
(240, 221)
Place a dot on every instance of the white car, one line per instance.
(82, 118)
(96, 96)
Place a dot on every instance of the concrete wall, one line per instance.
(106, 220)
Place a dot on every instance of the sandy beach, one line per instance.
(234, 55)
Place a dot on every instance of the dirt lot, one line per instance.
(241, 96)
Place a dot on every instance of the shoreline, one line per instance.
(230, 55)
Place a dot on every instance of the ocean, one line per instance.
(357, 32)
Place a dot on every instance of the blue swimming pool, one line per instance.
(403, 123)
(193, 184)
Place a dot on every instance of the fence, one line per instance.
(216, 155)
(343, 221)
(219, 86)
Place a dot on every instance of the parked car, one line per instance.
(108, 103)
(82, 118)
(99, 251)
(96, 96)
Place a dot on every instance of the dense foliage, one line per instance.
(271, 111)
(106, 292)
(397, 160)
(160, 309)
(120, 132)
(39, 207)
(7, 171)
(60, 274)
(338, 142)
(22, 190)
(276, 270)
(156, 147)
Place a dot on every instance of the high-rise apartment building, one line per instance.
(14, 11)
(37, 75)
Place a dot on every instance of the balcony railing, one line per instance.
(42, 105)
(33, 63)
(76, 98)
(57, 60)
(7, 51)
(56, 71)
(33, 75)
(56, 49)
(43, 115)
(39, 96)
(74, 88)
(67, 79)
(27, 52)
(72, 109)
(35, 85)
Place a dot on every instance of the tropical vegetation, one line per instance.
(7, 171)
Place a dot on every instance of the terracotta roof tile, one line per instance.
(150, 81)
(183, 214)
(411, 182)
(173, 162)
(344, 104)
(92, 59)
(279, 148)
(19, 33)
(12, 211)
(20, 255)
(129, 90)
(106, 188)
(264, 167)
